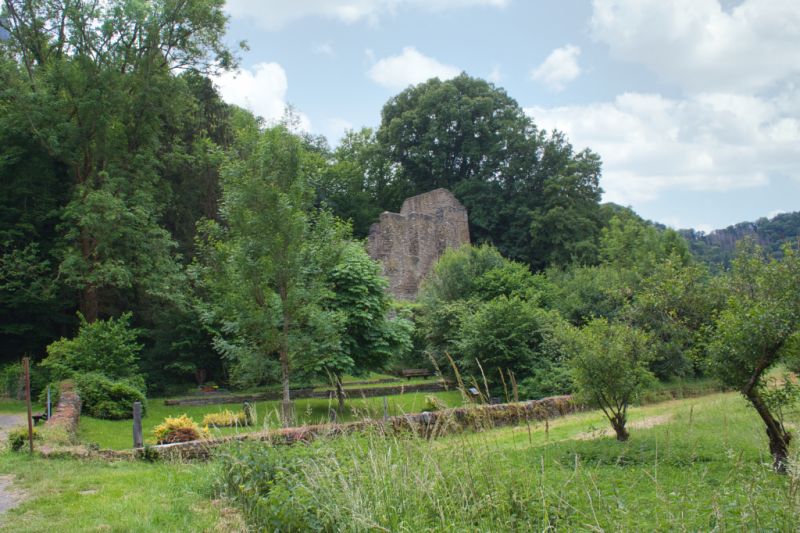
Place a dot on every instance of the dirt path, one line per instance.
(9, 498)
(644, 423)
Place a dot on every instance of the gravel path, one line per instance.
(9, 497)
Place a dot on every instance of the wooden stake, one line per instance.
(138, 440)
(26, 364)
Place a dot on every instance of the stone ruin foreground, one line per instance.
(408, 243)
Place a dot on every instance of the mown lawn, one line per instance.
(8, 406)
(70, 495)
(117, 434)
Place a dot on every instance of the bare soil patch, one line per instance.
(645, 423)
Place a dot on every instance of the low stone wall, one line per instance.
(67, 413)
(297, 394)
(427, 424)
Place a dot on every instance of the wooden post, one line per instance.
(385, 409)
(138, 441)
(249, 415)
(26, 364)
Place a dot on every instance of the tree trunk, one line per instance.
(619, 429)
(339, 393)
(287, 409)
(90, 303)
(89, 299)
(778, 438)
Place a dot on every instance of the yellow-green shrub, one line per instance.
(178, 429)
(433, 403)
(18, 438)
(226, 419)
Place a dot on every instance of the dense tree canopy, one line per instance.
(527, 192)
(129, 191)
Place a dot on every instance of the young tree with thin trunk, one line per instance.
(609, 363)
(264, 266)
(369, 339)
(758, 329)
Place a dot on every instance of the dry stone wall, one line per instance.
(408, 243)
(67, 413)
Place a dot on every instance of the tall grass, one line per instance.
(706, 468)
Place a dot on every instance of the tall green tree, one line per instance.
(527, 192)
(266, 261)
(93, 85)
(758, 328)
(354, 183)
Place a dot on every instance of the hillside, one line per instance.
(718, 247)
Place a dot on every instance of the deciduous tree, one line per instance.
(757, 329)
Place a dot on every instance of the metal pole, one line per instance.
(26, 365)
(48, 402)
(385, 409)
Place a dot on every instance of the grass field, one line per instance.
(12, 406)
(699, 464)
(691, 465)
(70, 495)
(117, 434)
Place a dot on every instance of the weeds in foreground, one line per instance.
(680, 475)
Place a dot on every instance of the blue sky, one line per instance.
(693, 105)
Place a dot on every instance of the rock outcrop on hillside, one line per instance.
(408, 243)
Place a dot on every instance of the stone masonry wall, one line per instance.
(408, 243)
(68, 411)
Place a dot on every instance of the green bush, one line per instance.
(104, 398)
(263, 482)
(105, 346)
(55, 394)
(18, 438)
(550, 379)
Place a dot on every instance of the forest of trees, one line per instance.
(719, 247)
(115, 142)
(142, 215)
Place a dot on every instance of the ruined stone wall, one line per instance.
(408, 243)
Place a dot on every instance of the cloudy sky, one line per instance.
(694, 105)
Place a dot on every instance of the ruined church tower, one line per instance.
(408, 243)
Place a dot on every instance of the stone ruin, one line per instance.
(408, 243)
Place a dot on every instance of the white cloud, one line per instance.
(698, 45)
(711, 141)
(336, 128)
(274, 14)
(496, 75)
(409, 68)
(559, 68)
(324, 49)
(262, 90)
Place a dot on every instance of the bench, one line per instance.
(38, 416)
(409, 373)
